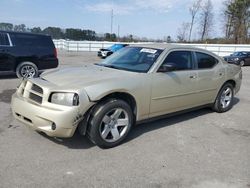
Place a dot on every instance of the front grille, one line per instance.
(31, 91)
(37, 88)
(36, 98)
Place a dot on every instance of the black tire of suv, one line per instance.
(22, 65)
(217, 104)
(97, 116)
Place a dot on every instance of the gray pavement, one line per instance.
(200, 149)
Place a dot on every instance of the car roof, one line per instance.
(163, 46)
(23, 33)
(167, 47)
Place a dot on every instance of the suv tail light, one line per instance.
(55, 52)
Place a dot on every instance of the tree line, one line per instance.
(235, 22)
(76, 34)
(68, 33)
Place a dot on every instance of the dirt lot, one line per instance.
(201, 149)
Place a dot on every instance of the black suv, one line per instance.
(238, 58)
(26, 53)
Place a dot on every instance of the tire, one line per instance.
(103, 127)
(26, 70)
(242, 63)
(224, 99)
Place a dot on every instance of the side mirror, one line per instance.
(167, 67)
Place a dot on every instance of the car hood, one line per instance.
(83, 76)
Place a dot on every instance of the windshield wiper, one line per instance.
(106, 65)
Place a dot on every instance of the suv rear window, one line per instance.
(4, 40)
(33, 40)
(205, 61)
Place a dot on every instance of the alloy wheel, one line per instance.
(242, 63)
(114, 125)
(27, 71)
(226, 97)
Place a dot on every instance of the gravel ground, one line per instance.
(200, 149)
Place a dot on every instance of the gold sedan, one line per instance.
(133, 85)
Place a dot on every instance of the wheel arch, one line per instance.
(231, 82)
(130, 99)
(25, 60)
(123, 96)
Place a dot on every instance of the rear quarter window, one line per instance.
(4, 40)
(33, 40)
(205, 61)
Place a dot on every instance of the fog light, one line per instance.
(53, 126)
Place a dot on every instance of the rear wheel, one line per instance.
(26, 70)
(224, 100)
(111, 122)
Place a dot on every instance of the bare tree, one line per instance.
(182, 35)
(206, 19)
(194, 9)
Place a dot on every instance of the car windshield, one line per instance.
(238, 53)
(135, 59)
(114, 47)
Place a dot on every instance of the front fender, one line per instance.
(138, 88)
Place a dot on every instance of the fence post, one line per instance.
(219, 50)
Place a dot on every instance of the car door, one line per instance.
(175, 90)
(5, 46)
(210, 76)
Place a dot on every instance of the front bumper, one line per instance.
(234, 62)
(102, 54)
(41, 118)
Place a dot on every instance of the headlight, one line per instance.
(104, 52)
(67, 99)
(236, 59)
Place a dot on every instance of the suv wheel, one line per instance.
(111, 122)
(224, 100)
(26, 70)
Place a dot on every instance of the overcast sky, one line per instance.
(143, 18)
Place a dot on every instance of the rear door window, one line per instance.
(4, 40)
(205, 61)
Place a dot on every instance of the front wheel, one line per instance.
(242, 63)
(110, 123)
(224, 100)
